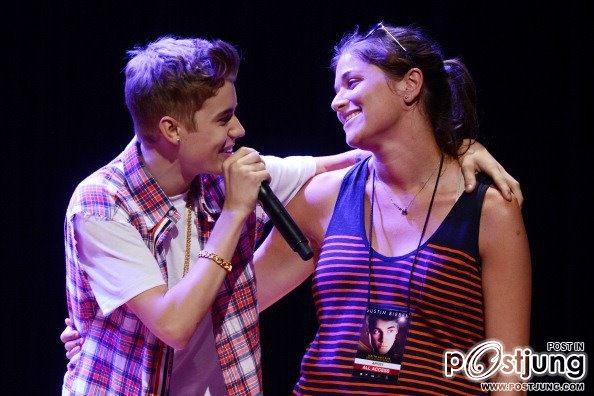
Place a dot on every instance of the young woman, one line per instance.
(397, 234)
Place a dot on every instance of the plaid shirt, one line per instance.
(120, 355)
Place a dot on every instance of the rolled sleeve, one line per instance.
(289, 174)
(118, 263)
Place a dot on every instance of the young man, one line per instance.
(157, 257)
(159, 242)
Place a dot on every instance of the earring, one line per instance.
(178, 139)
(407, 98)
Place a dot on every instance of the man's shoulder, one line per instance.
(99, 192)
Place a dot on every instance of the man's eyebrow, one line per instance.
(224, 113)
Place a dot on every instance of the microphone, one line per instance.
(283, 222)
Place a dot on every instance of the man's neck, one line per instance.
(164, 168)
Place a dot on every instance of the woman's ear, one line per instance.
(412, 83)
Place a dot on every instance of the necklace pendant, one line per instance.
(404, 212)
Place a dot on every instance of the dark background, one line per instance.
(65, 117)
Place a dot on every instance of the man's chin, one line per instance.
(216, 169)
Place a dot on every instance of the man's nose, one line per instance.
(237, 130)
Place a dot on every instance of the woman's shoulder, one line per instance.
(313, 205)
(498, 209)
(321, 190)
(500, 219)
(325, 183)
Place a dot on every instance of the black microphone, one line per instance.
(283, 222)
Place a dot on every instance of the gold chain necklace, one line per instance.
(188, 235)
(404, 211)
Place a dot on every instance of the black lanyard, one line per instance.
(412, 270)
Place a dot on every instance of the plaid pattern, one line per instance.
(120, 355)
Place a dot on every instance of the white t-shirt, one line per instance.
(120, 267)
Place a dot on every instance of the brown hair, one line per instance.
(448, 94)
(173, 76)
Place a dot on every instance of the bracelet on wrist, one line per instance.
(221, 262)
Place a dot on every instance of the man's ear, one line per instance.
(169, 128)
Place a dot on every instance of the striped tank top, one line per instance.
(446, 299)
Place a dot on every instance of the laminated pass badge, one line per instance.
(381, 345)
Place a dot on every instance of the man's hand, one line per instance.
(72, 343)
(244, 172)
(475, 158)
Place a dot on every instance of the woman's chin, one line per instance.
(353, 140)
(356, 142)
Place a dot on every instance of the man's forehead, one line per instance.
(225, 98)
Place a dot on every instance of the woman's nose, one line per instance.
(338, 102)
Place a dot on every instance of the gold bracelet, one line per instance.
(221, 262)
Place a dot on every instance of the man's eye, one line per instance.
(352, 83)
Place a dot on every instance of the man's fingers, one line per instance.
(70, 354)
(69, 334)
(73, 360)
(515, 187)
(257, 166)
(246, 154)
(252, 157)
(72, 344)
(243, 156)
(501, 183)
(469, 178)
(263, 175)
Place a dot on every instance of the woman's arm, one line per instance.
(506, 275)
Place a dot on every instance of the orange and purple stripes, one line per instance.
(448, 314)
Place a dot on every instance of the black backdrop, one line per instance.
(65, 117)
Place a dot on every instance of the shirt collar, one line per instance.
(211, 194)
(207, 189)
(145, 191)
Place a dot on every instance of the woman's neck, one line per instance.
(405, 163)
